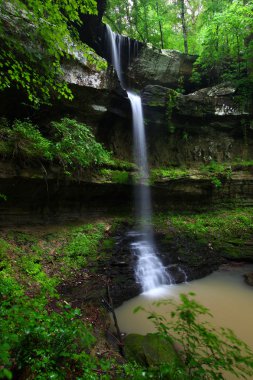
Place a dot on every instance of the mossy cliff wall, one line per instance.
(203, 126)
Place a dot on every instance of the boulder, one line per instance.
(150, 350)
(168, 68)
(249, 278)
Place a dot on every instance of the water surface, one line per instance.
(224, 292)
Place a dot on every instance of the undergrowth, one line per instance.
(227, 230)
(69, 143)
(42, 336)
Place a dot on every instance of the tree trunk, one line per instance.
(146, 29)
(160, 26)
(184, 28)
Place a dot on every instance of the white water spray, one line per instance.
(149, 272)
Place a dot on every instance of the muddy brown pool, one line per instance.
(224, 292)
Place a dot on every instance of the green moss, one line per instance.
(38, 332)
(3, 197)
(150, 350)
(115, 176)
(169, 173)
(217, 168)
(243, 163)
(217, 172)
(155, 103)
(115, 163)
(108, 243)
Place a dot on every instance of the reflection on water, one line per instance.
(223, 292)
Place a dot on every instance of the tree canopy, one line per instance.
(219, 31)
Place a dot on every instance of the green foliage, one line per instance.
(23, 139)
(170, 104)
(34, 36)
(224, 53)
(117, 164)
(3, 197)
(206, 352)
(154, 21)
(217, 171)
(50, 344)
(219, 31)
(42, 337)
(174, 371)
(75, 145)
(71, 144)
(120, 176)
(243, 163)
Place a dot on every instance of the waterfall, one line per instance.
(149, 271)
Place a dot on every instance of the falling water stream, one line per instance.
(149, 271)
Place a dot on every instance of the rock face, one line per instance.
(189, 130)
(97, 93)
(168, 68)
(208, 102)
(35, 196)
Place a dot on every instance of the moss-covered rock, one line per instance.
(150, 350)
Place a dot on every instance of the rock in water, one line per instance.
(150, 350)
(249, 278)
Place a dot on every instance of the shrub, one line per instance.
(24, 139)
(217, 171)
(75, 145)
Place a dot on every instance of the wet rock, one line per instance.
(187, 259)
(149, 350)
(184, 259)
(249, 278)
(168, 68)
